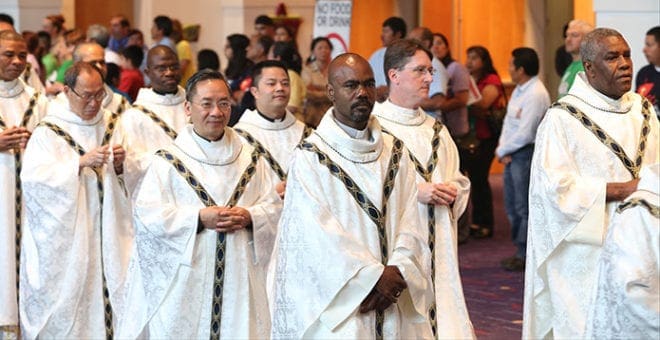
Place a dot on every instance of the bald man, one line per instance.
(93, 54)
(576, 30)
(158, 113)
(351, 259)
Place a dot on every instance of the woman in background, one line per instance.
(238, 66)
(481, 68)
(315, 77)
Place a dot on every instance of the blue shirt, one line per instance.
(526, 108)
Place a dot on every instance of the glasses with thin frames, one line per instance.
(222, 105)
(421, 70)
(98, 96)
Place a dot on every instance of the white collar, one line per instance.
(60, 109)
(221, 152)
(252, 117)
(352, 149)
(12, 88)
(401, 115)
(583, 91)
(147, 95)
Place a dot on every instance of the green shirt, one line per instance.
(568, 77)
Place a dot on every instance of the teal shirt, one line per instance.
(569, 77)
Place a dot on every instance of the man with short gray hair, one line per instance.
(589, 149)
(100, 35)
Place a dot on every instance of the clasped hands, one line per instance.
(15, 137)
(96, 158)
(386, 291)
(225, 219)
(436, 193)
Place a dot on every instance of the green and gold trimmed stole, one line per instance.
(18, 193)
(376, 215)
(107, 307)
(609, 142)
(274, 165)
(427, 172)
(168, 130)
(221, 242)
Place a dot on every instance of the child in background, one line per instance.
(131, 80)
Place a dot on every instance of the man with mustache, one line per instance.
(588, 152)
(271, 126)
(205, 214)
(157, 115)
(21, 109)
(442, 190)
(350, 260)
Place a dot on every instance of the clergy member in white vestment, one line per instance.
(157, 115)
(588, 151)
(205, 218)
(77, 234)
(442, 190)
(627, 304)
(92, 53)
(350, 259)
(21, 108)
(271, 126)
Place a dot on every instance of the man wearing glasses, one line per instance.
(205, 213)
(443, 190)
(157, 115)
(93, 54)
(270, 125)
(77, 233)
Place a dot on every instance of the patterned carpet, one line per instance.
(494, 296)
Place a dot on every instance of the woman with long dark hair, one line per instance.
(481, 68)
(238, 65)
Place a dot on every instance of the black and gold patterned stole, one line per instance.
(168, 130)
(654, 210)
(274, 165)
(27, 73)
(376, 215)
(221, 241)
(609, 142)
(18, 196)
(427, 173)
(107, 307)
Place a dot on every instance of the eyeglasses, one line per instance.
(421, 70)
(98, 96)
(164, 68)
(222, 105)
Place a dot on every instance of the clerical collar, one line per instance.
(400, 115)
(206, 139)
(10, 88)
(352, 132)
(164, 93)
(272, 120)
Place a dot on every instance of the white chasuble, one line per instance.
(144, 135)
(171, 279)
(568, 215)
(627, 303)
(417, 131)
(280, 138)
(15, 100)
(69, 240)
(327, 256)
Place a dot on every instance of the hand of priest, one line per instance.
(95, 158)
(13, 138)
(445, 194)
(391, 283)
(118, 157)
(375, 300)
(280, 188)
(232, 219)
